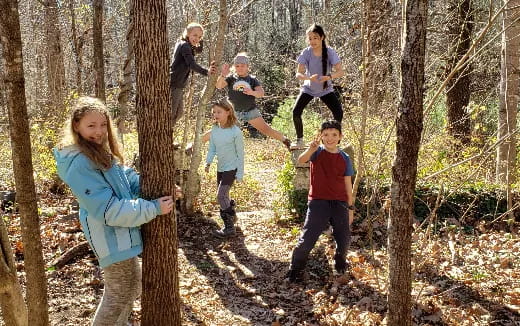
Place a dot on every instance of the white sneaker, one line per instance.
(299, 143)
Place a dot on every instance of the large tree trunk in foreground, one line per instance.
(160, 298)
(191, 190)
(404, 170)
(99, 60)
(10, 37)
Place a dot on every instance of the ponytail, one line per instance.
(324, 60)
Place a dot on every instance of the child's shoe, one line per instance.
(294, 276)
(232, 205)
(229, 227)
(299, 144)
(341, 266)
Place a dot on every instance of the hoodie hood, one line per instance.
(64, 158)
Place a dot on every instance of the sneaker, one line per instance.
(287, 142)
(341, 267)
(294, 276)
(300, 143)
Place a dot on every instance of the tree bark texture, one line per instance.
(22, 162)
(99, 62)
(55, 61)
(77, 44)
(160, 298)
(509, 92)
(460, 27)
(125, 84)
(382, 36)
(192, 181)
(409, 125)
(14, 309)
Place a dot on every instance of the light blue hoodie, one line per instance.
(228, 145)
(110, 211)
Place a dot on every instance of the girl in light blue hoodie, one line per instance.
(111, 211)
(227, 143)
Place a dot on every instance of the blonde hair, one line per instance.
(232, 118)
(102, 155)
(189, 28)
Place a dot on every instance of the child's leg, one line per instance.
(341, 233)
(177, 103)
(122, 287)
(316, 222)
(301, 102)
(332, 102)
(225, 181)
(260, 125)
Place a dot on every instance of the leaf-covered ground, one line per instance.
(459, 278)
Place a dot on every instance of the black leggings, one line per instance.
(331, 101)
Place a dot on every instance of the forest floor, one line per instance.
(460, 278)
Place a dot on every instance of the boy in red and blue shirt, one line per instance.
(330, 199)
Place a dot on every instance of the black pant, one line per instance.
(331, 101)
(320, 214)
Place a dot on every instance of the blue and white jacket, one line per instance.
(110, 211)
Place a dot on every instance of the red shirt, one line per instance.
(327, 175)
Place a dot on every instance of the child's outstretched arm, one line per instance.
(187, 54)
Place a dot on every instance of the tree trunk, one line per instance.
(218, 49)
(409, 126)
(160, 299)
(99, 62)
(125, 84)
(76, 47)
(460, 27)
(509, 92)
(55, 61)
(14, 310)
(22, 162)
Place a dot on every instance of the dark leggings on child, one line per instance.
(331, 101)
(225, 180)
(177, 104)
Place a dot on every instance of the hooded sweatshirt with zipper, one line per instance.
(110, 210)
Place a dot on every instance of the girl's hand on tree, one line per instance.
(224, 70)
(212, 68)
(166, 204)
(314, 78)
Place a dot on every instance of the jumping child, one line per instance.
(330, 199)
(243, 90)
(90, 162)
(318, 64)
(189, 44)
(227, 143)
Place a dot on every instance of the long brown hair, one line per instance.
(232, 118)
(315, 28)
(101, 154)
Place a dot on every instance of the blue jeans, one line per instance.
(246, 116)
(319, 214)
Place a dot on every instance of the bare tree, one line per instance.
(54, 59)
(218, 50)
(409, 127)
(14, 81)
(460, 27)
(160, 298)
(99, 61)
(125, 84)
